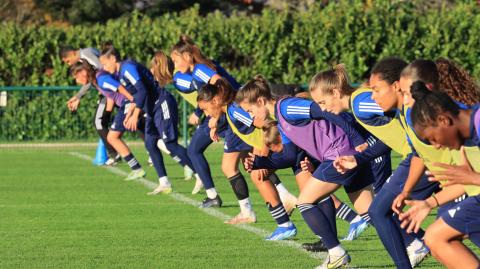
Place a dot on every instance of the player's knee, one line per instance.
(229, 169)
(433, 235)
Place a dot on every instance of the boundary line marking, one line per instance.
(209, 211)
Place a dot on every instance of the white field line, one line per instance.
(209, 211)
(57, 145)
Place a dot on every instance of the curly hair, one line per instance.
(456, 82)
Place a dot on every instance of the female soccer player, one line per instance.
(441, 121)
(377, 110)
(159, 107)
(194, 71)
(320, 138)
(71, 56)
(105, 83)
(217, 100)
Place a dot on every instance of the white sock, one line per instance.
(197, 177)
(245, 206)
(286, 224)
(211, 193)
(164, 181)
(337, 251)
(282, 191)
(356, 219)
(416, 244)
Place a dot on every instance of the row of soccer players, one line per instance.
(342, 138)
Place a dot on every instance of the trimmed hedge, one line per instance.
(286, 47)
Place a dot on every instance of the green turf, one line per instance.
(58, 211)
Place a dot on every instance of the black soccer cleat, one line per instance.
(315, 246)
(215, 202)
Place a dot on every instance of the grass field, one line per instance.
(57, 210)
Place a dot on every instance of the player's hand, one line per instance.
(361, 147)
(456, 174)
(73, 103)
(131, 123)
(399, 202)
(212, 123)
(345, 163)
(306, 165)
(214, 135)
(193, 119)
(248, 162)
(413, 218)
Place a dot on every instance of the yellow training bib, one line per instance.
(254, 139)
(190, 97)
(392, 133)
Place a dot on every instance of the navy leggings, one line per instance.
(177, 152)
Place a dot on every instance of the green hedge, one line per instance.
(283, 46)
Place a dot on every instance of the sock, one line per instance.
(328, 208)
(319, 224)
(274, 179)
(337, 251)
(366, 217)
(345, 212)
(356, 219)
(132, 162)
(279, 214)
(245, 206)
(164, 181)
(211, 193)
(239, 186)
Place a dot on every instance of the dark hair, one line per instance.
(221, 88)
(65, 50)
(185, 45)
(109, 50)
(389, 69)
(254, 89)
(423, 70)
(429, 104)
(79, 66)
(457, 83)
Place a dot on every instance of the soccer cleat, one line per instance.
(283, 233)
(315, 246)
(198, 186)
(334, 262)
(241, 218)
(136, 174)
(416, 256)
(356, 229)
(165, 189)
(113, 161)
(215, 202)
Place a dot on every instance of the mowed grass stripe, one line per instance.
(47, 220)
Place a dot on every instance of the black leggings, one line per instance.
(101, 122)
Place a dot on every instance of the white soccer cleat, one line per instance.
(243, 218)
(165, 189)
(136, 174)
(334, 262)
(416, 256)
(198, 186)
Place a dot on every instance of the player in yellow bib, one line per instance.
(446, 125)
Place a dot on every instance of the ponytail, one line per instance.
(186, 45)
(457, 83)
(429, 104)
(335, 78)
(221, 89)
(109, 50)
(254, 89)
(162, 68)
